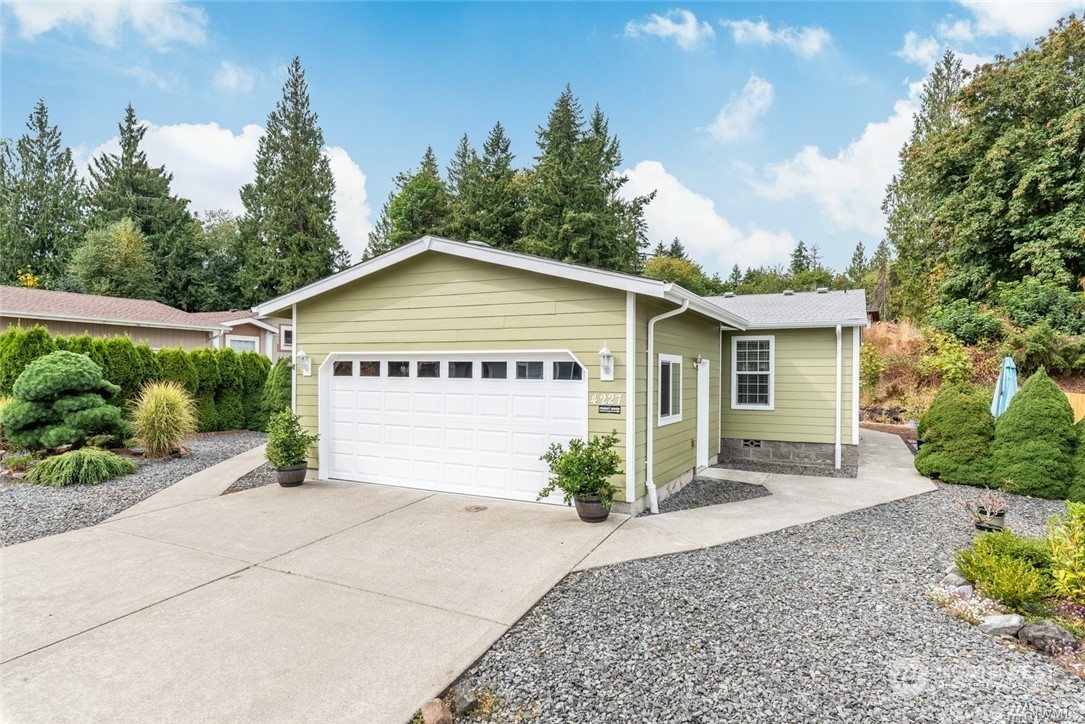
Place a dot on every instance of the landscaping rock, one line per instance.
(1007, 625)
(954, 580)
(464, 701)
(1046, 635)
(436, 711)
(953, 570)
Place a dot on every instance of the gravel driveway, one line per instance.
(32, 511)
(824, 622)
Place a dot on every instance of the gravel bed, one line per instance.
(824, 622)
(709, 491)
(261, 476)
(33, 511)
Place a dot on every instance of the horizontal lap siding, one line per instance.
(805, 389)
(436, 302)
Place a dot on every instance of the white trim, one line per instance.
(248, 320)
(772, 372)
(704, 412)
(719, 404)
(823, 324)
(243, 338)
(839, 392)
(630, 397)
(855, 340)
(21, 315)
(673, 360)
(279, 332)
(525, 262)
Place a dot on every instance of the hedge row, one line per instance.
(229, 387)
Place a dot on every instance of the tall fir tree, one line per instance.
(287, 233)
(463, 185)
(859, 266)
(499, 202)
(909, 203)
(420, 205)
(42, 203)
(125, 186)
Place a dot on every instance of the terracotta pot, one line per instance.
(591, 509)
(292, 475)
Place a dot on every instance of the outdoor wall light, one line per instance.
(698, 360)
(606, 364)
(304, 363)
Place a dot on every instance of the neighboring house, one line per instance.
(67, 313)
(247, 333)
(453, 366)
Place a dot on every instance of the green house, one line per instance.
(452, 366)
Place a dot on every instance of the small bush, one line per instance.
(18, 349)
(1012, 570)
(967, 321)
(88, 466)
(1066, 536)
(1031, 301)
(255, 368)
(18, 463)
(1038, 347)
(287, 442)
(584, 469)
(949, 361)
(177, 366)
(1076, 493)
(1035, 440)
(277, 389)
(871, 368)
(957, 432)
(163, 415)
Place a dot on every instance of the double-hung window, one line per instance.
(752, 371)
(670, 389)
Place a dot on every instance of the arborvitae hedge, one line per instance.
(177, 366)
(957, 432)
(18, 348)
(229, 405)
(277, 395)
(1035, 441)
(152, 370)
(207, 380)
(60, 399)
(122, 365)
(255, 368)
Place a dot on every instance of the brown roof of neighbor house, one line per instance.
(69, 306)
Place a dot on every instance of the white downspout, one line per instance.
(294, 361)
(650, 437)
(839, 393)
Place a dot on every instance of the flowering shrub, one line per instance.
(1069, 659)
(968, 606)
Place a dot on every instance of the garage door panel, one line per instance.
(480, 436)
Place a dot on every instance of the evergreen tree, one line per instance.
(499, 199)
(287, 233)
(909, 203)
(858, 268)
(220, 251)
(420, 205)
(464, 183)
(800, 258)
(114, 261)
(42, 203)
(125, 186)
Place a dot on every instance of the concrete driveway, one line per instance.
(328, 602)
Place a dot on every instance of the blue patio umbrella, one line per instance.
(1005, 387)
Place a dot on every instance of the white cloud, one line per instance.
(149, 77)
(922, 52)
(230, 77)
(681, 25)
(210, 164)
(735, 120)
(849, 186)
(1026, 20)
(711, 239)
(957, 31)
(160, 23)
(805, 42)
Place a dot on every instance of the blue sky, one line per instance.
(758, 124)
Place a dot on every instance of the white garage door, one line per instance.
(453, 422)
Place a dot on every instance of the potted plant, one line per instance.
(287, 448)
(988, 510)
(582, 472)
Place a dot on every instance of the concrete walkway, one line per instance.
(331, 601)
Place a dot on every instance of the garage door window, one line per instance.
(399, 369)
(461, 370)
(343, 369)
(495, 370)
(429, 369)
(529, 370)
(568, 371)
(369, 368)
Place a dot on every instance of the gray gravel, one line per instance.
(823, 622)
(261, 476)
(33, 511)
(709, 491)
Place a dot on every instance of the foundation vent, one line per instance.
(751, 443)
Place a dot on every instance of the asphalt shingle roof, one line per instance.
(19, 301)
(798, 309)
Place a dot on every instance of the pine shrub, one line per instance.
(207, 380)
(163, 415)
(255, 368)
(18, 348)
(1035, 441)
(177, 366)
(1038, 347)
(81, 344)
(88, 466)
(60, 399)
(277, 392)
(957, 432)
(229, 404)
(1077, 488)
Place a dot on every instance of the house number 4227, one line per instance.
(612, 399)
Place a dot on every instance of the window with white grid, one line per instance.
(752, 369)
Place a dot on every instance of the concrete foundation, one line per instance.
(811, 458)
